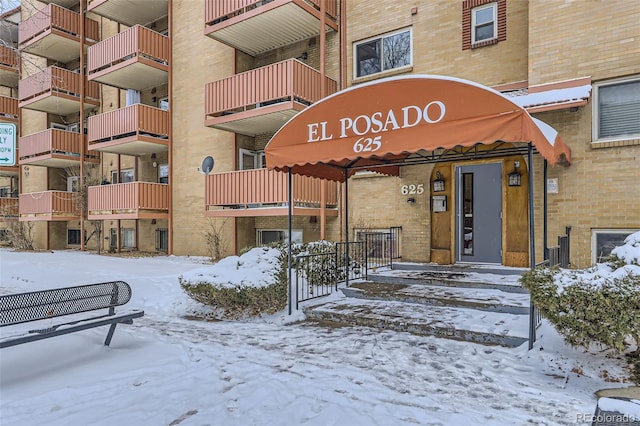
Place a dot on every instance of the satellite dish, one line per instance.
(207, 165)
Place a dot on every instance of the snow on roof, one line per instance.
(555, 97)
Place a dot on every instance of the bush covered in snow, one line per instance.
(599, 305)
(255, 283)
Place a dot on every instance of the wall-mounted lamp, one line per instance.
(411, 200)
(515, 177)
(438, 183)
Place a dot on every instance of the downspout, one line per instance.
(346, 225)
(545, 212)
(532, 247)
(323, 93)
(170, 130)
(290, 226)
(82, 135)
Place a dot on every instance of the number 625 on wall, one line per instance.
(412, 189)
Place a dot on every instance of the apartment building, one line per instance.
(143, 125)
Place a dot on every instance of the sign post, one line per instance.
(7, 144)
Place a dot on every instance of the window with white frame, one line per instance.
(126, 175)
(617, 109)
(383, 53)
(483, 23)
(127, 238)
(605, 240)
(268, 236)
(249, 160)
(73, 183)
(163, 173)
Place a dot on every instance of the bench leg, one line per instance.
(110, 334)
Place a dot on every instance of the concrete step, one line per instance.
(480, 268)
(492, 328)
(507, 283)
(481, 299)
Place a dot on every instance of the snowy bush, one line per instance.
(599, 305)
(255, 283)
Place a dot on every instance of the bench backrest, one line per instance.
(43, 304)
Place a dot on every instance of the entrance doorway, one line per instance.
(479, 213)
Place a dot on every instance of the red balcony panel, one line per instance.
(255, 26)
(54, 33)
(49, 206)
(263, 192)
(9, 69)
(260, 101)
(134, 130)
(8, 109)
(56, 91)
(132, 200)
(137, 58)
(8, 208)
(55, 148)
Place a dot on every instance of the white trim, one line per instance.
(595, 120)
(58, 126)
(494, 7)
(381, 37)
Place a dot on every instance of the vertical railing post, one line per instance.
(290, 226)
(346, 223)
(532, 247)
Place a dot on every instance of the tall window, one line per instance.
(127, 237)
(383, 53)
(163, 173)
(249, 160)
(617, 109)
(484, 23)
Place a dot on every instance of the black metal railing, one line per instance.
(395, 242)
(560, 254)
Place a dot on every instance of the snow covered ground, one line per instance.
(168, 370)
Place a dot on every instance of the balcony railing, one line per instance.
(260, 101)
(132, 200)
(54, 33)
(56, 91)
(8, 207)
(8, 67)
(137, 58)
(55, 148)
(258, 26)
(263, 192)
(49, 205)
(129, 12)
(8, 109)
(132, 130)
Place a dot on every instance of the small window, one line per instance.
(484, 23)
(127, 238)
(605, 240)
(163, 173)
(73, 183)
(73, 237)
(163, 103)
(5, 191)
(383, 53)
(268, 236)
(617, 108)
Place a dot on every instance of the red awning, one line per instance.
(383, 121)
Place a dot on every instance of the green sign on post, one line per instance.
(7, 144)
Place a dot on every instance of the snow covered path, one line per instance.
(166, 370)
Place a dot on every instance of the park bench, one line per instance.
(44, 305)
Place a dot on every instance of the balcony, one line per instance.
(48, 206)
(8, 109)
(54, 33)
(55, 148)
(8, 208)
(263, 192)
(133, 200)
(134, 130)
(260, 101)
(129, 12)
(258, 26)
(136, 58)
(56, 91)
(9, 74)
